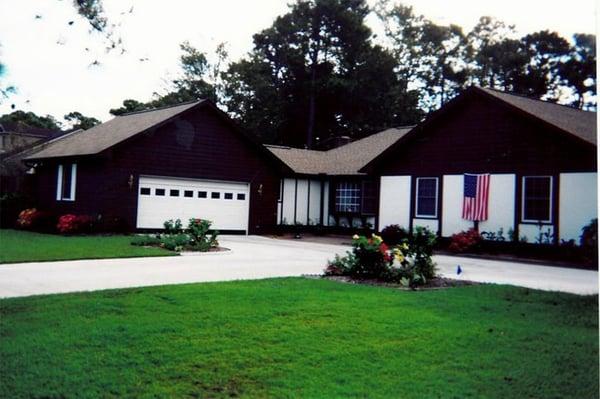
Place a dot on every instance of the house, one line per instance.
(15, 136)
(541, 158)
(190, 160)
(146, 167)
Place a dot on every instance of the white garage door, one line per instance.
(226, 204)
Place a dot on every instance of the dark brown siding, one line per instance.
(483, 136)
(198, 145)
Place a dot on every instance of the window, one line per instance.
(159, 191)
(228, 196)
(174, 193)
(369, 198)
(426, 193)
(65, 182)
(188, 193)
(241, 197)
(145, 191)
(215, 195)
(201, 194)
(347, 197)
(537, 199)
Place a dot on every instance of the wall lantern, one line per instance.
(130, 182)
(260, 189)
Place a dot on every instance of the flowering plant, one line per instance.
(72, 224)
(28, 217)
(465, 240)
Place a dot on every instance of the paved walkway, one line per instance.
(255, 257)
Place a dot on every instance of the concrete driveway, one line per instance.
(253, 257)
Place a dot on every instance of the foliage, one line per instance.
(25, 246)
(315, 71)
(393, 234)
(80, 121)
(465, 241)
(589, 240)
(29, 119)
(198, 229)
(27, 218)
(74, 224)
(408, 263)
(196, 237)
(145, 240)
(173, 227)
(497, 236)
(11, 204)
(201, 340)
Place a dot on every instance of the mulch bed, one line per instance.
(433, 284)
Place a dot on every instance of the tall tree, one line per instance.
(578, 72)
(315, 73)
(80, 121)
(30, 119)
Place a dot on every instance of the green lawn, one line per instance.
(25, 246)
(300, 338)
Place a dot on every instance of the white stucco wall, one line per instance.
(531, 232)
(431, 224)
(298, 202)
(452, 199)
(302, 200)
(578, 203)
(501, 205)
(315, 202)
(394, 201)
(288, 201)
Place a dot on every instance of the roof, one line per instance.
(344, 160)
(108, 134)
(26, 130)
(571, 120)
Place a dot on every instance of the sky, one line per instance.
(51, 63)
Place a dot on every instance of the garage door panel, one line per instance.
(226, 204)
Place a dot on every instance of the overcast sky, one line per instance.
(49, 61)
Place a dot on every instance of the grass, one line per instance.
(300, 338)
(25, 246)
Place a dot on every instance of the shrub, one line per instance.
(145, 240)
(393, 234)
(27, 218)
(173, 227)
(198, 229)
(465, 241)
(11, 204)
(420, 249)
(174, 242)
(341, 265)
(75, 224)
(408, 263)
(589, 241)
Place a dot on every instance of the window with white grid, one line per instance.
(347, 197)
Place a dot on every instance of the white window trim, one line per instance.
(59, 183)
(437, 188)
(523, 220)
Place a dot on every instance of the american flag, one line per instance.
(475, 201)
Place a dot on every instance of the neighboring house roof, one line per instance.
(572, 120)
(108, 134)
(344, 160)
(26, 130)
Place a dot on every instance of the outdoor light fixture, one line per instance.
(130, 182)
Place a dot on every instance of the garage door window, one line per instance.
(159, 191)
(145, 191)
(215, 195)
(241, 197)
(174, 193)
(229, 196)
(201, 194)
(188, 193)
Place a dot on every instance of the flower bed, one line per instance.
(196, 237)
(408, 263)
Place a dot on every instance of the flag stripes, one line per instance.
(476, 195)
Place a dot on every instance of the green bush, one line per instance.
(394, 234)
(408, 263)
(589, 241)
(145, 240)
(198, 229)
(173, 227)
(175, 242)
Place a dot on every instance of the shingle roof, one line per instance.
(106, 135)
(574, 121)
(344, 160)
